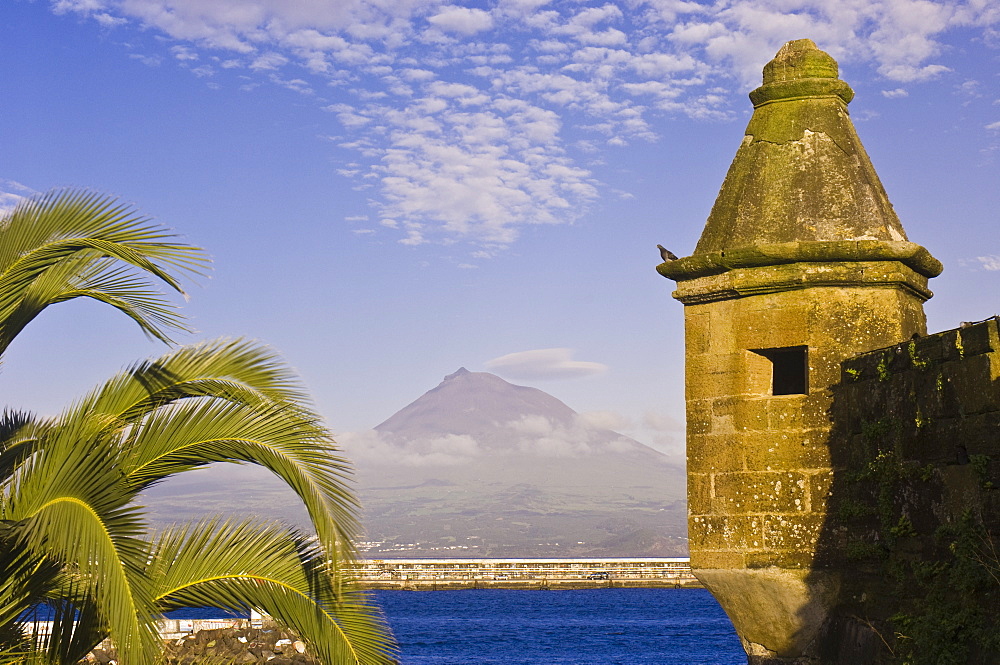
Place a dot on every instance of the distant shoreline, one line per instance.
(528, 573)
(528, 585)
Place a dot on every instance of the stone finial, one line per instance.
(801, 70)
(799, 59)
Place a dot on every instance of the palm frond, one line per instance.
(75, 509)
(19, 430)
(227, 401)
(294, 447)
(89, 275)
(76, 626)
(60, 246)
(249, 564)
(26, 578)
(234, 369)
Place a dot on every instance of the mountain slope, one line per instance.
(479, 466)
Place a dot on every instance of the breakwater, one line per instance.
(431, 574)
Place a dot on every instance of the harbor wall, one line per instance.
(913, 515)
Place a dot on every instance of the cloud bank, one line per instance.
(468, 124)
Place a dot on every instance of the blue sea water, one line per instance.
(586, 627)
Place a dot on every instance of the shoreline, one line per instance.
(528, 585)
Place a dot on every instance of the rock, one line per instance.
(241, 646)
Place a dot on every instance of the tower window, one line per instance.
(789, 369)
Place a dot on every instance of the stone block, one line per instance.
(714, 376)
(786, 559)
(952, 346)
(759, 374)
(763, 492)
(856, 369)
(816, 411)
(980, 434)
(820, 485)
(946, 402)
(976, 339)
(725, 406)
(723, 409)
(785, 412)
(771, 327)
(696, 333)
(971, 381)
(709, 453)
(929, 349)
(724, 532)
(751, 415)
(699, 417)
(717, 559)
(780, 451)
(699, 493)
(799, 533)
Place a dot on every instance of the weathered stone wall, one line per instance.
(759, 466)
(914, 506)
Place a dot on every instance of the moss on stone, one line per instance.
(801, 173)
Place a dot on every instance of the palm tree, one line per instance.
(71, 533)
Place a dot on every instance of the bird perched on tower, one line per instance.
(666, 254)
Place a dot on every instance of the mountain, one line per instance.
(481, 467)
(477, 467)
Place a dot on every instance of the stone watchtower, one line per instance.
(802, 264)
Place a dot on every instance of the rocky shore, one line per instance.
(227, 645)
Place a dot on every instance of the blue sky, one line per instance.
(392, 190)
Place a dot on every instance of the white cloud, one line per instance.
(109, 21)
(661, 422)
(269, 61)
(894, 94)
(184, 53)
(542, 436)
(994, 126)
(538, 435)
(12, 193)
(463, 20)
(991, 262)
(82, 6)
(540, 364)
(906, 73)
(452, 170)
(148, 60)
(611, 420)
(372, 448)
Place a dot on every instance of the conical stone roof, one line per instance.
(801, 173)
(801, 187)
